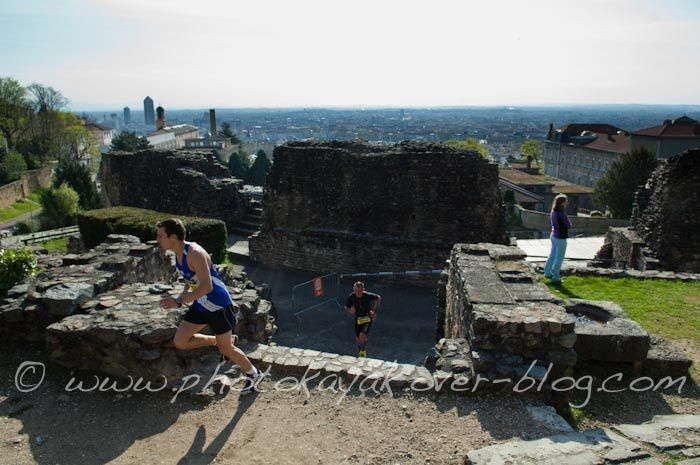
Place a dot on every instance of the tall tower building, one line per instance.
(149, 113)
(127, 116)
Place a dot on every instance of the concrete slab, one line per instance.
(590, 447)
(666, 432)
(578, 249)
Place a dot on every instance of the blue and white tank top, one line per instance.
(218, 298)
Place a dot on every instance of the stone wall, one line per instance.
(187, 183)
(69, 281)
(496, 304)
(665, 212)
(352, 206)
(28, 183)
(665, 225)
(127, 333)
(587, 226)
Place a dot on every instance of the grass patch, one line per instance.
(55, 245)
(576, 417)
(19, 208)
(670, 309)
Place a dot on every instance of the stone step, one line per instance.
(297, 361)
(243, 231)
(245, 223)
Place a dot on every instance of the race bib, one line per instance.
(361, 320)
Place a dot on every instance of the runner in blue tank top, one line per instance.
(210, 301)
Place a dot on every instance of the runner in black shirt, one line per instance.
(359, 303)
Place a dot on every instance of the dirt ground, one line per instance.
(52, 426)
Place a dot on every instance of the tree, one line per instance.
(60, 206)
(15, 111)
(47, 99)
(532, 148)
(228, 133)
(129, 142)
(238, 169)
(12, 165)
(617, 187)
(470, 144)
(259, 170)
(77, 176)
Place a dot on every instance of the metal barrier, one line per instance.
(331, 283)
(41, 236)
(331, 291)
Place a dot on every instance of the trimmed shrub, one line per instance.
(60, 206)
(27, 227)
(96, 225)
(15, 266)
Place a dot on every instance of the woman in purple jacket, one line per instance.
(560, 231)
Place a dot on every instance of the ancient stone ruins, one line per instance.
(99, 310)
(665, 231)
(352, 206)
(187, 183)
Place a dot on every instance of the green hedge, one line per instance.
(96, 225)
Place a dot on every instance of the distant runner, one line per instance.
(359, 303)
(210, 301)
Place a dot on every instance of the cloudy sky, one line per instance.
(264, 53)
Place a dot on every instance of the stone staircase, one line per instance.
(251, 221)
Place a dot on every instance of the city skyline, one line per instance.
(110, 54)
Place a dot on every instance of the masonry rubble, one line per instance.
(665, 226)
(371, 208)
(182, 182)
(100, 309)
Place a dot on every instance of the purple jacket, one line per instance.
(560, 224)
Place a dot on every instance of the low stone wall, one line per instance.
(574, 270)
(580, 225)
(28, 183)
(624, 248)
(126, 333)
(495, 302)
(68, 281)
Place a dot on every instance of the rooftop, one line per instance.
(679, 127)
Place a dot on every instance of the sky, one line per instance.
(104, 54)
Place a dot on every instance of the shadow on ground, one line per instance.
(95, 427)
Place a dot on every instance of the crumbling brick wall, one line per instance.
(353, 206)
(187, 183)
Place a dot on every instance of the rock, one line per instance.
(63, 299)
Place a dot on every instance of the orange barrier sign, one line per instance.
(318, 287)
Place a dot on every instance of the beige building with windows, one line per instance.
(583, 153)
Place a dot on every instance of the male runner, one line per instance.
(210, 301)
(359, 303)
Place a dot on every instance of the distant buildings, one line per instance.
(127, 116)
(583, 153)
(670, 138)
(171, 137)
(536, 192)
(149, 114)
(102, 134)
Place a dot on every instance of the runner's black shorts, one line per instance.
(219, 321)
(362, 328)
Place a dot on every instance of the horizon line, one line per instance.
(399, 107)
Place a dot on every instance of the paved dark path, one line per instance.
(404, 330)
